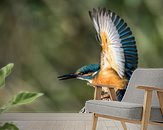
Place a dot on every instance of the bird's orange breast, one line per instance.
(109, 77)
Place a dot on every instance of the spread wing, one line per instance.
(118, 45)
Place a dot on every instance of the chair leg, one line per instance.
(124, 125)
(144, 126)
(94, 123)
(146, 110)
(160, 98)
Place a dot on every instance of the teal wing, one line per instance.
(128, 44)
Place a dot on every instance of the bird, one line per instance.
(119, 55)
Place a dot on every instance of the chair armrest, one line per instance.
(97, 93)
(148, 91)
(148, 88)
(100, 85)
(98, 90)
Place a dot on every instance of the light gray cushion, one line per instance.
(151, 77)
(121, 109)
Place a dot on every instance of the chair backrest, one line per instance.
(143, 77)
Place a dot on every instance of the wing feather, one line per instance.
(118, 45)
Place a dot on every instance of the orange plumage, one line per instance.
(110, 77)
(107, 75)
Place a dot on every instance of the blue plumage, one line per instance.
(129, 47)
(128, 44)
(88, 69)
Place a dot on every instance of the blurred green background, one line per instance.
(47, 38)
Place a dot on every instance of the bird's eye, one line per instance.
(81, 73)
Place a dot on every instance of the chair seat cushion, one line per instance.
(125, 110)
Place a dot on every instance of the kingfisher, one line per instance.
(119, 57)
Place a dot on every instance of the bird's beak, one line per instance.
(67, 76)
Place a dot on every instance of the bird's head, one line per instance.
(84, 73)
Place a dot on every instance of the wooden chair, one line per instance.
(137, 106)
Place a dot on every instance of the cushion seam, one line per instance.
(115, 106)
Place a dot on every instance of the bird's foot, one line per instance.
(105, 96)
(83, 110)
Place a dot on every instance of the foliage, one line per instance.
(4, 72)
(21, 98)
(8, 126)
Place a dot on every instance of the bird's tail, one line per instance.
(120, 93)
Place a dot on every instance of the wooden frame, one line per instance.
(146, 106)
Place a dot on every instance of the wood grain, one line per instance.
(146, 109)
(160, 98)
(150, 88)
